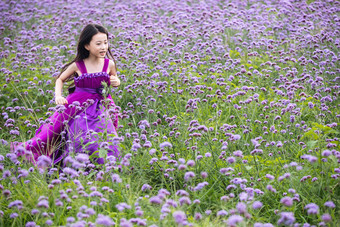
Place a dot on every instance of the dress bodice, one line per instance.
(91, 80)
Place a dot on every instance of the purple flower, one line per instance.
(23, 173)
(79, 224)
(204, 175)
(238, 153)
(49, 222)
(189, 175)
(104, 220)
(184, 200)
(155, 200)
(71, 172)
(90, 211)
(70, 219)
(233, 220)
(243, 196)
(182, 193)
(35, 211)
(44, 161)
(96, 194)
(83, 158)
(310, 158)
(235, 137)
(165, 144)
(16, 203)
(326, 217)
(191, 163)
(270, 188)
(326, 153)
(231, 160)
(135, 146)
(13, 215)
(171, 202)
(200, 186)
(125, 223)
(287, 201)
(152, 151)
(263, 225)
(257, 205)
(287, 218)
(146, 187)
(6, 192)
(198, 216)
(311, 105)
(270, 177)
(241, 207)
(122, 206)
(312, 208)
(43, 203)
(31, 224)
(116, 178)
(329, 204)
(222, 213)
(179, 216)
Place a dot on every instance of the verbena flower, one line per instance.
(287, 201)
(222, 213)
(179, 216)
(43, 203)
(16, 203)
(312, 208)
(104, 220)
(184, 200)
(326, 218)
(189, 175)
(44, 161)
(233, 220)
(241, 207)
(31, 224)
(146, 187)
(257, 205)
(116, 178)
(165, 144)
(286, 218)
(329, 204)
(155, 200)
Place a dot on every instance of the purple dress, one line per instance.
(78, 125)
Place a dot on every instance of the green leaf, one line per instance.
(248, 167)
(311, 144)
(102, 153)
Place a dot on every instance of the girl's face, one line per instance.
(98, 45)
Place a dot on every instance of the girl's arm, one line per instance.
(59, 99)
(114, 80)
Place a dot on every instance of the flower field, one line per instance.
(228, 114)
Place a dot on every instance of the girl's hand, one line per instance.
(115, 81)
(60, 100)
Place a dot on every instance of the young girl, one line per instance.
(82, 117)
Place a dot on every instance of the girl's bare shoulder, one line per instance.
(72, 68)
(111, 63)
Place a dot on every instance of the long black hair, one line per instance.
(85, 38)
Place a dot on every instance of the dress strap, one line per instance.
(106, 64)
(81, 66)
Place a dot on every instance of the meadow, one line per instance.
(228, 114)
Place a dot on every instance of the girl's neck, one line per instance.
(94, 60)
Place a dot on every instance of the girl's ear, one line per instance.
(86, 46)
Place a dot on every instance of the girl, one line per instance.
(84, 115)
